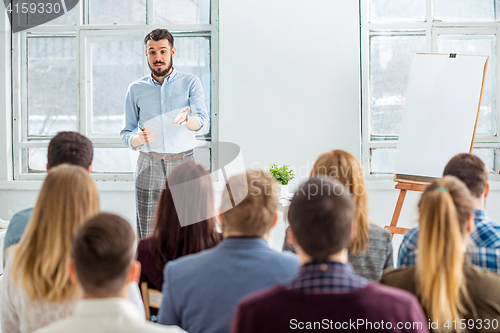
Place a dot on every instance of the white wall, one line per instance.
(289, 91)
(289, 79)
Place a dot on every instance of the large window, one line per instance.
(392, 32)
(72, 74)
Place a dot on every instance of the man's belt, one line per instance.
(169, 157)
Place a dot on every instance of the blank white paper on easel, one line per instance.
(440, 112)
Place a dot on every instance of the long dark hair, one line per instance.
(172, 240)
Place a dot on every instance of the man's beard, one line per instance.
(160, 73)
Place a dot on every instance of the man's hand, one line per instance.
(142, 138)
(181, 116)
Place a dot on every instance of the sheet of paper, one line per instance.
(440, 112)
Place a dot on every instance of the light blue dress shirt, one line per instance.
(154, 106)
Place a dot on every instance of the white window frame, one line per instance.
(84, 35)
(431, 30)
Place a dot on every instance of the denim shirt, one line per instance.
(155, 106)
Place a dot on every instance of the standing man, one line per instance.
(163, 113)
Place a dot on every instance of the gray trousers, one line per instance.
(150, 176)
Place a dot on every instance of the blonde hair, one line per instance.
(68, 197)
(343, 166)
(249, 203)
(444, 208)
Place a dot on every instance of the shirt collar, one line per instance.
(327, 277)
(98, 307)
(479, 215)
(167, 79)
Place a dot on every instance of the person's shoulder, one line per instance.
(60, 326)
(185, 76)
(481, 281)
(195, 260)
(145, 80)
(145, 247)
(400, 277)
(388, 294)
(22, 215)
(378, 232)
(145, 243)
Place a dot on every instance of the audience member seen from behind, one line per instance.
(170, 240)
(326, 292)
(200, 291)
(450, 288)
(36, 289)
(370, 251)
(484, 245)
(103, 264)
(66, 147)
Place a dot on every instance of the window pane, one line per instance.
(182, 11)
(489, 158)
(193, 56)
(122, 12)
(397, 10)
(382, 160)
(47, 12)
(65, 19)
(111, 76)
(464, 10)
(51, 85)
(390, 62)
(114, 160)
(477, 45)
(37, 159)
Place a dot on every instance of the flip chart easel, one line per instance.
(406, 182)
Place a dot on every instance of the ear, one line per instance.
(487, 190)
(73, 277)
(134, 273)
(221, 217)
(173, 51)
(47, 167)
(274, 220)
(354, 229)
(291, 237)
(471, 226)
(89, 168)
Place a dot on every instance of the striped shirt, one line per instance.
(483, 248)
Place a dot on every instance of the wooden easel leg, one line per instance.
(397, 210)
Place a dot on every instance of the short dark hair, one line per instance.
(321, 216)
(103, 251)
(469, 169)
(159, 34)
(70, 148)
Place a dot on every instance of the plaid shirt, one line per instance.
(483, 249)
(326, 278)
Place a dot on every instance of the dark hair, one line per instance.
(159, 34)
(171, 239)
(321, 216)
(469, 169)
(71, 148)
(103, 251)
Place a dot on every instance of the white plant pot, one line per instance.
(284, 191)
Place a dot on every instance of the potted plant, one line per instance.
(283, 175)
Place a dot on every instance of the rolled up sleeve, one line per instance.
(131, 119)
(200, 112)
